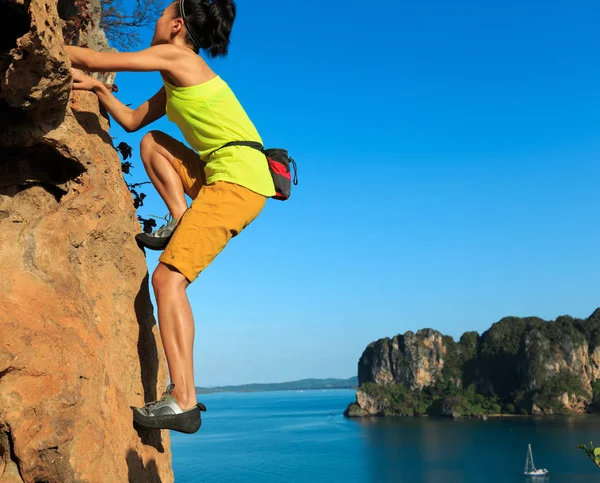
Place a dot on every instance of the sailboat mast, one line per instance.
(531, 457)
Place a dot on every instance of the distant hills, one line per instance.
(302, 385)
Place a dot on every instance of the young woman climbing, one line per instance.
(228, 186)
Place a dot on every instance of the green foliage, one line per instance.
(505, 336)
(593, 453)
(561, 330)
(507, 369)
(468, 344)
(590, 328)
(562, 382)
(468, 402)
(505, 359)
(442, 399)
(398, 400)
(500, 355)
(522, 401)
(452, 360)
(460, 360)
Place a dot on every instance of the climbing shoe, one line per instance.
(158, 239)
(166, 414)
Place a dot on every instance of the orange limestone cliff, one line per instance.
(78, 340)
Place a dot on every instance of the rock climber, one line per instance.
(229, 185)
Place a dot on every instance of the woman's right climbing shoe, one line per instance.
(166, 414)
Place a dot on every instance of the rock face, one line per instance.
(415, 360)
(78, 341)
(519, 365)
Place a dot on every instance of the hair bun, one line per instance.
(220, 15)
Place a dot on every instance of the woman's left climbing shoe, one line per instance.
(166, 414)
(158, 239)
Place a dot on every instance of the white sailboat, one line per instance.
(530, 469)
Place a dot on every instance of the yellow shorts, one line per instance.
(218, 212)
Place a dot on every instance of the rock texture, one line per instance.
(415, 360)
(78, 341)
(90, 36)
(522, 365)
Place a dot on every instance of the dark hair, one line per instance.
(210, 22)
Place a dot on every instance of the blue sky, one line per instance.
(448, 163)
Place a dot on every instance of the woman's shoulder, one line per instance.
(189, 69)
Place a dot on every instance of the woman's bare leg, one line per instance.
(176, 330)
(158, 161)
(175, 317)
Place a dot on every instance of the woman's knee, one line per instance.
(159, 278)
(165, 277)
(149, 144)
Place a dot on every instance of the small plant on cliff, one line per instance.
(79, 20)
(593, 453)
(126, 152)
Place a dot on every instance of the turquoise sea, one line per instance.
(303, 437)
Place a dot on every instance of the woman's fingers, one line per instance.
(82, 81)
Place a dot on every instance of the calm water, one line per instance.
(303, 437)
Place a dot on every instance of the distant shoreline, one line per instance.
(480, 417)
(301, 385)
(557, 415)
(276, 390)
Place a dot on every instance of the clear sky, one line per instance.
(448, 159)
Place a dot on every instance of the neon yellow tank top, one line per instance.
(209, 116)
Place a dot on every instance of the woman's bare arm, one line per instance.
(129, 119)
(178, 65)
(156, 58)
(133, 119)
